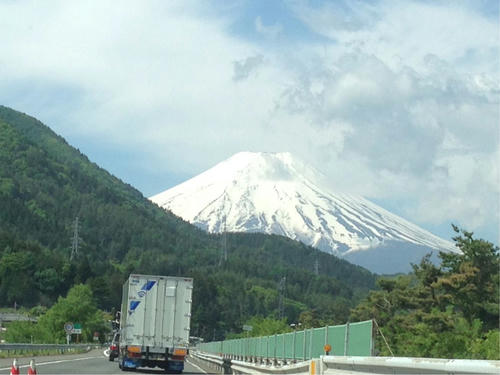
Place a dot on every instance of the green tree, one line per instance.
(471, 279)
(448, 311)
(22, 332)
(77, 307)
(487, 347)
(16, 283)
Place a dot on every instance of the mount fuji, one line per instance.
(277, 194)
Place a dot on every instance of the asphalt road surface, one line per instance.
(93, 362)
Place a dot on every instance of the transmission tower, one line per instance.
(223, 257)
(281, 292)
(224, 240)
(75, 239)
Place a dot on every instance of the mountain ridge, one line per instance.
(45, 183)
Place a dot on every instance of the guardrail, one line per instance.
(326, 365)
(213, 361)
(240, 367)
(406, 365)
(41, 348)
(12, 317)
(346, 339)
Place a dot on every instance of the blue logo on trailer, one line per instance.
(148, 285)
(141, 293)
(145, 288)
(133, 305)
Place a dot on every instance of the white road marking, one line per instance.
(198, 367)
(53, 362)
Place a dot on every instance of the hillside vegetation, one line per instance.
(45, 184)
(445, 311)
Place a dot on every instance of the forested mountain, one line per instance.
(45, 184)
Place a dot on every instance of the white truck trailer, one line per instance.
(154, 322)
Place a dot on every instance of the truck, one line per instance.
(154, 322)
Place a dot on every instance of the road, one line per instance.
(93, 362)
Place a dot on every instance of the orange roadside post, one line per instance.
(32, 368)
(14, 369)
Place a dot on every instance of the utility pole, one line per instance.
(75, 240)
(316, 267)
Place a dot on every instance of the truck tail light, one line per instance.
(134, 351)
(180, 352)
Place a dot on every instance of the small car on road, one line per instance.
(114, 347)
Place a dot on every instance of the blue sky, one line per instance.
(397, 101)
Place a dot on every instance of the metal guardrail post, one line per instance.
(275, 346)
(284, 353)
(260, 347)
(304, 345)
(346, 339)
(311, 343)
(326, 335)
(372, 339)
(267, 347)
(294, 335)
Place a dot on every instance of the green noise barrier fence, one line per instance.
(351, 339)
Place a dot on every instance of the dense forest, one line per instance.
(45, 184)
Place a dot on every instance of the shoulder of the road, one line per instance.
(24, 362)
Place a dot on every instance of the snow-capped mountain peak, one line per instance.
(276, 193)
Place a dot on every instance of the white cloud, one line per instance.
(400, 100)
(419, 105)
(406, 32)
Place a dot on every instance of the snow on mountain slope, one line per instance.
(275, 193)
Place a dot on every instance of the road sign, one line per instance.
(68, 327)
(77, 328)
